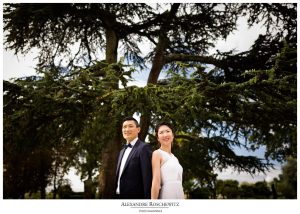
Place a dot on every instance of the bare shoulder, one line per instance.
(156, 154)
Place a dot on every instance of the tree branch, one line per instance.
(185, 57)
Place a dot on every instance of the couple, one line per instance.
(136, 164)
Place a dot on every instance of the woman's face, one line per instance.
(165, 135)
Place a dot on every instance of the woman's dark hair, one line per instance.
(164, 124)
(131, 118)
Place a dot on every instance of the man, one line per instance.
(134, 170)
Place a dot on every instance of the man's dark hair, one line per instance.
(164, 124)
(131, 118)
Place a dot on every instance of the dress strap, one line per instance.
(165, 156)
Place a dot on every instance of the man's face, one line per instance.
(130, 130)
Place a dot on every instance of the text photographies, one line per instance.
(150, 204)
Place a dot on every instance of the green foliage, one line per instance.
(227, 189)
(286, 186)
(62, 116)
(223, 120)
(247, 191)
(65, 192)
(231, 189)
(262, 190)
(200, 193)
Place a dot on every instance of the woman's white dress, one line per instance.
(171, 177)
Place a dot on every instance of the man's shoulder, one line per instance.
(139, 141)
(142, 144)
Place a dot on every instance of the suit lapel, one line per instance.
(120, 159)
(133, 151)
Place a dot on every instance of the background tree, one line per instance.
(225, 105)
(228, 189)
(286, 185)
(262, 190)
(247, 190)
(37, 130)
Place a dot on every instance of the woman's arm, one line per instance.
(156, 159)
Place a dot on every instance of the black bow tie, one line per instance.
(128, 145)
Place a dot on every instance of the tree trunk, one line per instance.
(55, 180)
(107, 173)
(89, 189)
(160, 57)
(158, 61)
(145, 123)
(43, 183)
(107, 170)
(111, 46)
(157, 65)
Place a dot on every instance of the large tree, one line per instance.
(214, 110)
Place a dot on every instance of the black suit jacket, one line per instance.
(136, 178)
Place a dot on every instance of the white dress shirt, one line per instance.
(123, 161)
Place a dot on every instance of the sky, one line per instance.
(15, 66)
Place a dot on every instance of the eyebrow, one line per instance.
(128, 125)
(165, 130)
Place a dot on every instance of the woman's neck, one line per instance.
(166, 149)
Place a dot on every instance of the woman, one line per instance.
(167, 172)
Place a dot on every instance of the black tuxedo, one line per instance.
(136, 179)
